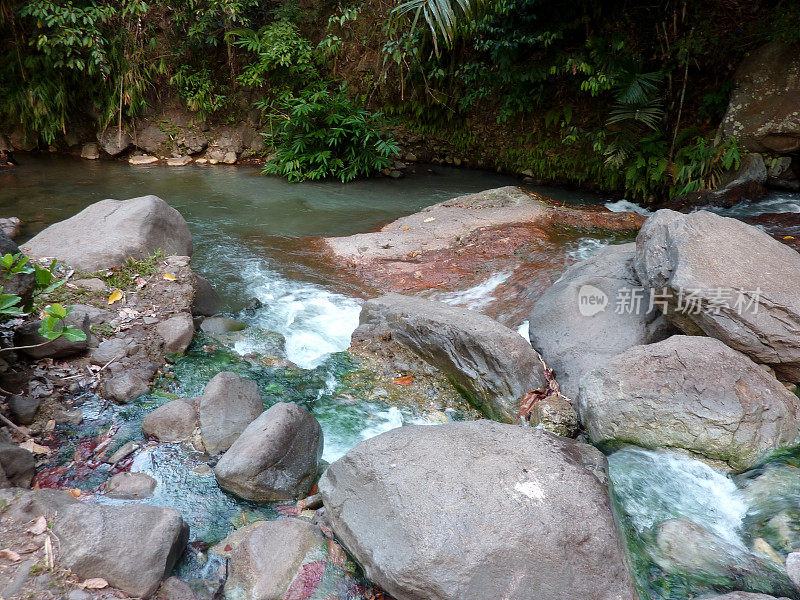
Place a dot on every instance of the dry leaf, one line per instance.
(96, 583)
(51, 425)
(39, 527)
(10, 555)
(76, 493)
(169, 276)
(429, 219)
(403, 380)
(140, 283)
(788, 237)
(115, 296)
(405, 228)
(35, 448)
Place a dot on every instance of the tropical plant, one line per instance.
(320, 133)
(442, 16)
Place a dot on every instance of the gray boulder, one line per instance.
(574, 336)
(690, 392)
(175, 589)
(113, 349)
(221, 325)
(172, 422)
(491, 365)
(228, 405)
(33, 504)
(728, 280)
(129, 381)
(23, 408)
(177, 333)
(266, 561)
(206, 302)
(275, 458)
(130, 486)
(113, 141)
(17, 465)
(439, 513)
(97, 541)
(107, 233)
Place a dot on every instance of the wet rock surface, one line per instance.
(228, 405)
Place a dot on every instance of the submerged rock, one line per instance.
(228, 405)
(275, 458)
(130, 486)
(120, 229)
(265, 562)
(574, 336)
(490, 364)
(97, 541)
(441, 512)
(693, 393)
(728, 280)
(217, 325)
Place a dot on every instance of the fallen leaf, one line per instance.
(169, 276)
(39, 527)
(788, 237)
(115, 296)
(35, 448)
(140, 283)
(403, 380)
(76, 493)
(228, 548)
(429, 219)
(10, 555)
(95, 583)
(51, 425)
(405, 228)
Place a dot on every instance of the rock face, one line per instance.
(96, 541)
(411, 507)
(16, 465)
(728, 280)
(574, 335)
(764, 111)
(490, 364)
(120, 229)
(228, 405)
(690, 392)
(275, 458)
(173, 422)
(266, 561)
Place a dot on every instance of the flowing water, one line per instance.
(249, 236)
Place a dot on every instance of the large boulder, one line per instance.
(97, 541)
(275, 458)
(114, 141)
(440, 512)
(764, 110)
(228, 405)
(575, 324)
(693, 393)
(265, 562)
(172, 422)
(108, 233)
(490, 364)
(726, 279)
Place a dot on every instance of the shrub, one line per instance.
(318, 133)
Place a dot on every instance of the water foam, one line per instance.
(476, 297)
(627, 206)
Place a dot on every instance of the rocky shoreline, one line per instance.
(687, 339)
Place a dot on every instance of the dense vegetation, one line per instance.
(617, 95)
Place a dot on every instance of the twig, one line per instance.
(15, 427)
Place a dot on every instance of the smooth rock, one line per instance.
(10, 226)
(142, 159)
(112, 349)
(228, 405)
(172, 422)
(726, 279)
(693, 393)
(23, 408)
(207, 301)
(90, 151)
(33, 504)
(575, 332)
(97, 541)
(133, 228)
(175, 589)
(793, 568)
(179, 161)
(275, 458)
(264, 564)
(410, 505)
(217, 325)
(177, 333)
(130, 486)
(224, 548)
(113, 141)
(490, 364)
(17, 464)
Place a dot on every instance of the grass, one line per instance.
(124, 277)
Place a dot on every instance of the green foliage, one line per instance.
(14, 264)
(199, 91)
(701, 164)
(54, 324)
(10, 305)
(441, 16)
(124, 277)
(319, 133)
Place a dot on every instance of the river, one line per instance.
(250, 236)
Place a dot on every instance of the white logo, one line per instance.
(591, 300)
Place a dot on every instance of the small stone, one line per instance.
(179, 161)
(175, 589)
(142, 159)
(67, 416)
(229, 158)
(124, 452)
(93, 284)
(110, 350)
(556, 415)
(793, 568)
(79, 595)
(90, 151)
(177, 333)
(411, 157)
(395, 174)
(23, 408)
(173, 422)
(130, 486)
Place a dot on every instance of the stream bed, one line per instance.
(249, 234)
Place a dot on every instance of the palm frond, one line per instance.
(442, 16)
(650, 115)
